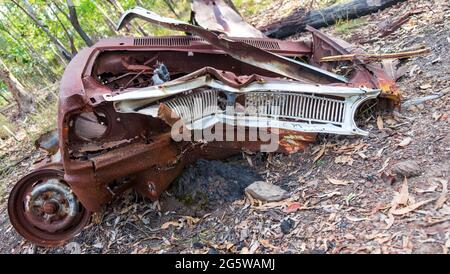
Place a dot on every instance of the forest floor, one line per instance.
(344, 202)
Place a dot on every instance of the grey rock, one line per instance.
(212, 250)
(265, 191)
(408, 168)
(244, 234)
(198, 245)
(287, 225)
(73, 248)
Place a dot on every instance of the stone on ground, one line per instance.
(267, 192)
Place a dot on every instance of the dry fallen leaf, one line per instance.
(402, 211)
(349, 236)
(380, 123)
(320, 153)
(403, 196)
(270, 205)
(244, 250)
(344, 159)
(406, 141)
(400, 198)
(254, 247)
(379, 153)
(389, 221)
(385, 164)
(168, 224)
(443, 198)
(355, 219)
(376, 235)
(292, 207)
(436, 115)
(362, 155)
(191, 220)
(337, 182)
(428, 190)
(383, 239)
(97, 218)
(425, 86)
(267, 244)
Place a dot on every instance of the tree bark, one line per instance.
(24, 99)
(118, 7)
(170, 5)
(69, 35)
(298, 20)
(106, 17)
(76, 25)
(30, 13)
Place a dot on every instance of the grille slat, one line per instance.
(187, 41)
(164, 41)
(194, 106)
(297, 106)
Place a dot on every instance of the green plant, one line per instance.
(343, 26)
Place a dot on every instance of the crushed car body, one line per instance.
(129, 108)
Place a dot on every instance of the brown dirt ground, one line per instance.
(349, 218)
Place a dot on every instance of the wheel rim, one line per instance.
(43, 209)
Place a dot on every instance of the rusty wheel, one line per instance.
(43, 209)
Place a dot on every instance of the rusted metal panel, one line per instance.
(216, 15)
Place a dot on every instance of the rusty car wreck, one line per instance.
(120, 99)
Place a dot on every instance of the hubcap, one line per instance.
(50, 205)
(43, 208)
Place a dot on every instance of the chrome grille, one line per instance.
(196, 105)
(282, 105)
(305, 107)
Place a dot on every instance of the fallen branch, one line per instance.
(388, 28)
(417, 101)
(298, 20)
(376, 57)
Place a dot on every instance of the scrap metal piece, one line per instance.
(216, 15)
(240, 50)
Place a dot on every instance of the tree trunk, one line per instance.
(69, 35)
(30, 13)
(76, 25)
(170, 5)
(24, 99)
(298, 20)
(108, 19)
(118, 7)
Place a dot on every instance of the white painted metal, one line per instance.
(281, 104)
